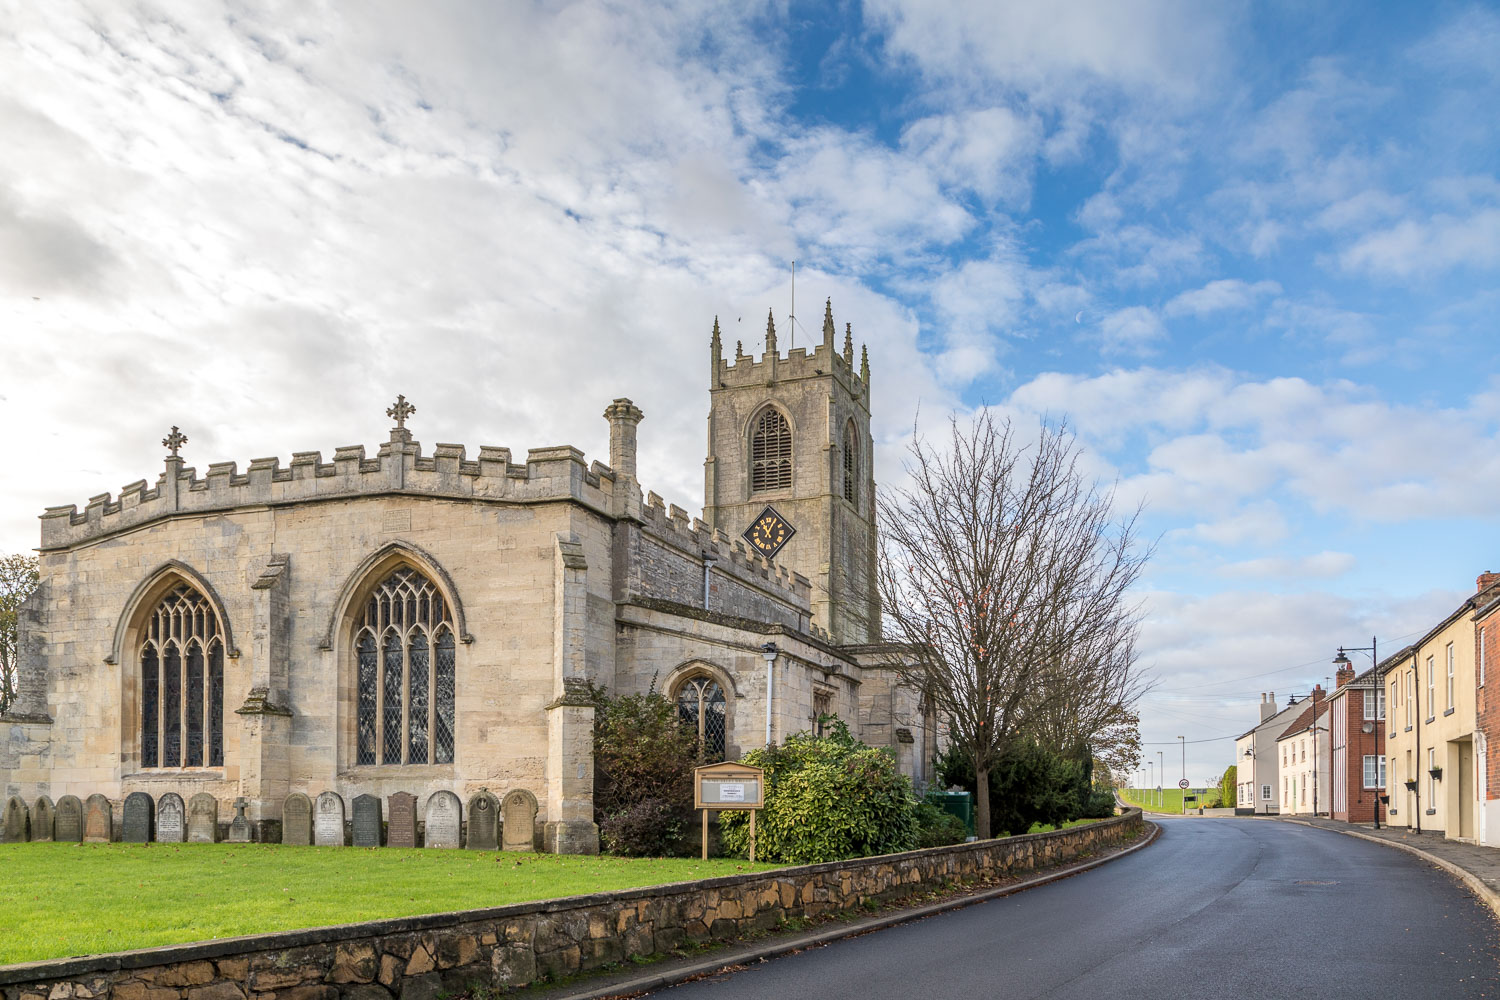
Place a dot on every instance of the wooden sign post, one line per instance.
(730, 785)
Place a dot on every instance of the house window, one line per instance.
(1374, 704)
(770, 452)
(1265, 792)
(1481, 655)
(182, 683)
(700, 705)
(405, 665)
(1304, 750)
(1431, 690)
(1374, 771)
(1410, 696)
(1450, 675)
(1392, 699)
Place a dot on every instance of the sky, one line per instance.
(1249, 253)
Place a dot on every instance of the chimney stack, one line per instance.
(1267, 706)
(1485, 580)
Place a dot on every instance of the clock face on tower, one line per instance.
(768, 532)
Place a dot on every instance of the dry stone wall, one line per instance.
(419, 958)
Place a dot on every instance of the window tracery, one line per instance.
(182, 683)
(700, 704)
(770, 452)
(404, 674)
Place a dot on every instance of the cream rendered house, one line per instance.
(1430, 698)
(1303, 756)
(1257, 758)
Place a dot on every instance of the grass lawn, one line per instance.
(60, 900)
(1048, 827)
(1170, 800)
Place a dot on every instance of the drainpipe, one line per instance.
(769, 652)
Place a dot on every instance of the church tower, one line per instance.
(789, 469)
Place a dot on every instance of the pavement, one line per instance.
(1231, 908)
(1476, 866)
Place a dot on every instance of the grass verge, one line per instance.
(1169, 800)
(63, 900)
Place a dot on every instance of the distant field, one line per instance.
(1169, 800)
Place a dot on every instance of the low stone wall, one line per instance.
(417, 958)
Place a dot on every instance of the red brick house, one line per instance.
(1356, 725)
(1487, 713)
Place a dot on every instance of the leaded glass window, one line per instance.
(404, 674)
(700, 704)
(770, 452)
(182, 683)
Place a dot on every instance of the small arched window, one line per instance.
(404, 660)
(770, 452)
(700, 705)
(182, 683)
(851, 466)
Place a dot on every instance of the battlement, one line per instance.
(822, 361)
(399, 466)
(731, 555)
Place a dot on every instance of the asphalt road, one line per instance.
(1215, 908)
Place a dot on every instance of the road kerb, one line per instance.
(759, 953)
(1474, 882)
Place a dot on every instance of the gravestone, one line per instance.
(328, 820)
(484, 822)
(239, 827)
(518, 821)
(140, 811)
(444, 820)
(13, 821)
(41, 818)
(98, 822)
(296, 820)
(402, 828)
(67, 822)
(366, 821)
(171, 819)
(203, 819)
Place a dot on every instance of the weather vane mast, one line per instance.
(174, 440)
(401, 409)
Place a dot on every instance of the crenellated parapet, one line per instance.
(823, 361)
(398, 467)
(671, 524)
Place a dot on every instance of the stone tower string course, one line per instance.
(789, 469)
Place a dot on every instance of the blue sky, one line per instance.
(1249, 252)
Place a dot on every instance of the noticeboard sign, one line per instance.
(730, 785)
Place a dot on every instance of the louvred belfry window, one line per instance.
(851, 467)
(182, 683)
(404, 664)
(770, 452)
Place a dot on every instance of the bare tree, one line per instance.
(18, 578)
(998, 561)
(1086, 702)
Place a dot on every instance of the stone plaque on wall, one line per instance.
(41, 819)
(366, 821)
(203, 819)
(484, 822)
(518, 821)
(328, 820)
(239, 827)
(444, 820)
(296, 820)
(13, 821)
(140, 813)
(67, 823)
(402, 823)
(98, 822)
(171, 819)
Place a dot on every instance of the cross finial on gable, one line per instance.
(401, 409)
(174, 440)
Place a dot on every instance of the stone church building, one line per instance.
(410, 622)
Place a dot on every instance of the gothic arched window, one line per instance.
(851, 466)
(404, 661)
(182, 683)
(770, 452)
(700, 704)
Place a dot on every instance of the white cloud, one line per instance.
(1219, 295)
(1132, 330)
(1417, 247)
(1321, 565)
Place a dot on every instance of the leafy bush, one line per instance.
(1031, 784)
(937, 826)
(1229, 787)
(643, 774)
(827, 798)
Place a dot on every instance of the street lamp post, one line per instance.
(1161, 777)
(1150, 779)
(1374, 695)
